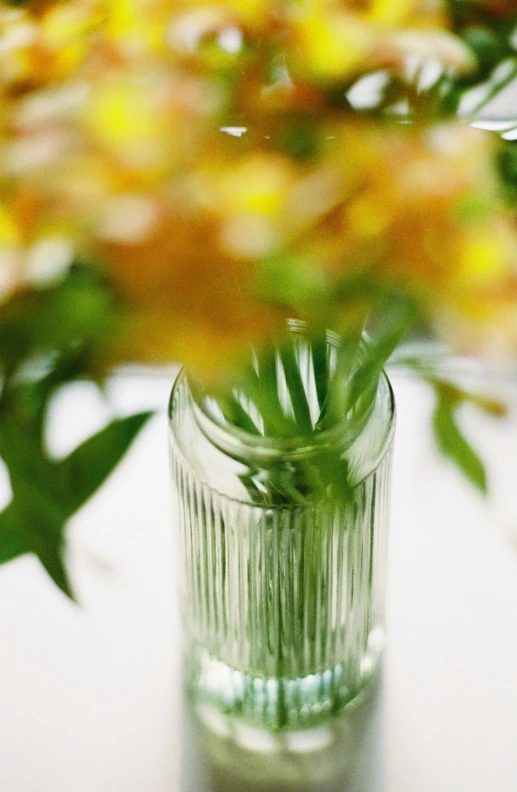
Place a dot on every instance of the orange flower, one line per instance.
(183, 297)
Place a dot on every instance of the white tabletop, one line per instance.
(90, 697)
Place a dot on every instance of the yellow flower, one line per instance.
(128, 117)
(255, 184)
(331, 41)
(110, 131)
(136, 28)
(10, 269)
(254, 14)
(64, 35)
(329, 44)
(18, 36)
(9, 232)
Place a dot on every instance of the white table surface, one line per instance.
(90, 696)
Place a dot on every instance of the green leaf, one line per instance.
(49, 552)
(35, 519)
(397, 320)
(12, 542)
(295, 282)
(236, 415)
(296, 390)
(453, 444)
(74, 314)
(320, 368)
(50, 337)
(39, 519)
(47, 493)
(338, 394)
(263, 389)
(489, 47)
(83, 471)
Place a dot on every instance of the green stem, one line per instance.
(493, 92)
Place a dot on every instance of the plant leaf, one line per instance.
(47, 493)
(12, 542)
(453, 444)
(83, 471)
(236, 415)
(40, 524)
(397, 321)
(296, 390)
(36, 517)
(320, 368)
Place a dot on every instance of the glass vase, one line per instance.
(282, 596)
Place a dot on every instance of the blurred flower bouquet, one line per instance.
(178, 179)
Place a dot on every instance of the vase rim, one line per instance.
(241, 444)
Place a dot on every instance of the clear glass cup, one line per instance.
(282, 602)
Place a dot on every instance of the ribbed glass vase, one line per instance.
(282, 593)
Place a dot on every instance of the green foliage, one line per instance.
(296, 283)
(359, 364)
(489, 47)
(69, 321)
(299, 138)
(485, 15)
(299, 402)
(488, 31)
(47, 492)
(452, 442)
(296, 390)
(49, 338)
(427, 364)
(85, 469)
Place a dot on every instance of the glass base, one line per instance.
(318, 759)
